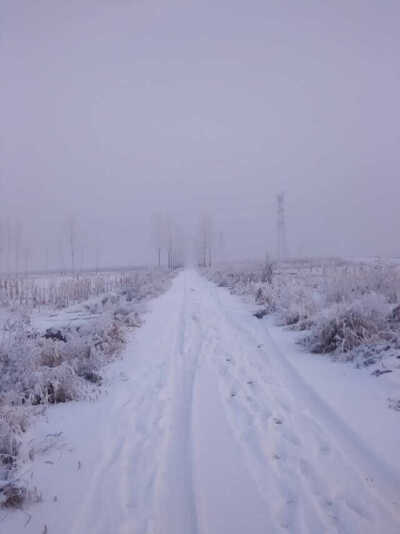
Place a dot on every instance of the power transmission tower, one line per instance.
(281, 227)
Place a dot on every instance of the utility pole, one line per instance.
(281, 227)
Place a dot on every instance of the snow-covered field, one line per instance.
(214, 421)
(53, 350)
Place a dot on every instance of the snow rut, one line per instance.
(313, 473)
(125, 484)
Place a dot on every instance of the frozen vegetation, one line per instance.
(206, 397)
(349, 310)
(56, 335)
(343, 306)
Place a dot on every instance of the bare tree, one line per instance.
(47, 259)
(97, 256)
(221, 246)
(159, 230)
(206, 241)
(17, 244)
(61, 254)
(27, 259)
(9, 245)
(82, 244)
(72, 241)
(174, 243)
(169, 227)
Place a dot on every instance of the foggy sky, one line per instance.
(112, 110)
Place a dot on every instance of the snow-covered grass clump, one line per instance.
(345, 326)
(292, 297)
(58, 364)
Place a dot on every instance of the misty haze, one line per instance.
(199, 267)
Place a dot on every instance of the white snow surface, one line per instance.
(213, 422)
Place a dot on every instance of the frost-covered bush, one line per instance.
(344, 304)
(343, 327)
(295, 304)
(13, 424)
(241, 280)
(265, 297)
(355, 280)
(49, 368)
(36, 370)
(292, 298)
(8, 444)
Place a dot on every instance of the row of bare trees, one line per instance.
(210, 243)
(171, 246)
(67, 252)
(169, 241)
(72, 253)
(15, 253)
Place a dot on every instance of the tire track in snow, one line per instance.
(134, 473)
(316, 475)
(176, 510)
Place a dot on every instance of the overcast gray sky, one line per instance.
(112, 110)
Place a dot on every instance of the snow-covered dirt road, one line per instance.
(206, 428)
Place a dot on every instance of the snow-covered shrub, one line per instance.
(13, 424)
(344, 304)
(8, 445)
(52, 385)
(267, 272)
(244, 280)
(264, 296)
(342, 327)
(50, 368)
(354, 280)
(15, 495)
(12, 496)
(295, 302)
